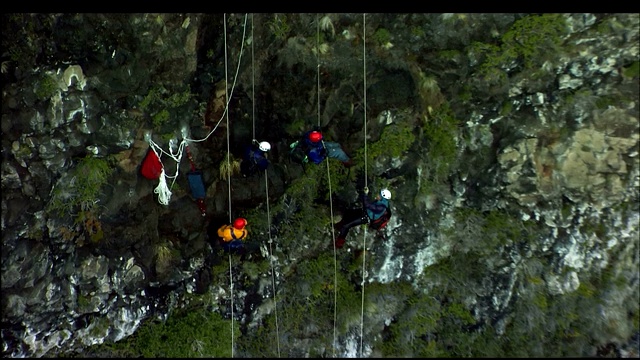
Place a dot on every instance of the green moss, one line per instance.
(506, 109)
(533, 36)
(160, 118)
(603, 102)
(83, 301)
(449, 54)
(395, 141)
(459, 312)
(417, 31)
(632, 71)
(532, 39)
(540, 300)
(23, 151)
(46, 86)
(535, 280)
(382, 36)
(466, 94)
(179, 99)
(441, 131)
(586, 290)
(162, 104)
(100, 327)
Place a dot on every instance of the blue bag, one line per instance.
(196, 184)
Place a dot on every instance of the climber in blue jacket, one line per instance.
(255, 158)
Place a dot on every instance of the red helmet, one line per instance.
(315, 136)
(240, 223)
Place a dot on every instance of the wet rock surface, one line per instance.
(89, 253)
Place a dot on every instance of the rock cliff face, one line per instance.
(509, 143)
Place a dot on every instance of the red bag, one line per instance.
(151, 166)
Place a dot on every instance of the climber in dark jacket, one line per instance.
(255, 158)
(316, 149)
(374, 210)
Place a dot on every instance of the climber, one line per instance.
(313, 148)
(232, 236)
(255, 158)
(374, 215)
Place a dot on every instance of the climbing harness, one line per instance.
(381, 222)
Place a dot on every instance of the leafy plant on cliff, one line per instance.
(77, 194)
(279, 26)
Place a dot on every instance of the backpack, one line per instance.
(382, 221)
(151, 166)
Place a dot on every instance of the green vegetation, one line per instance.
(188, 333)
(632, 71)
(531, 40)
(417, 31)
(441, 131)
(82, 190)
(396, 139)
(46, 86)
(77, 194)
(163, 105)
(382, 36)
(279, 26)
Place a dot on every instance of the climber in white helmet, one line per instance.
(375, 213)
(254, 158)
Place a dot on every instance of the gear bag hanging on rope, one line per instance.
(196, 184)
(151, 166)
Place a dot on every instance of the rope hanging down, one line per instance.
(266, 187)
(333, 235)
(364, 237)
(226, 82)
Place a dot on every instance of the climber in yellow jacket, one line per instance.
(232, 236)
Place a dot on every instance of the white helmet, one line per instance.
(385, 194)
(264, 146)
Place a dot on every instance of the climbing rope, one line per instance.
(364, 237)
(333, 234)
(266, 187)
(273, 278)
(229, 159)
(226, 81)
